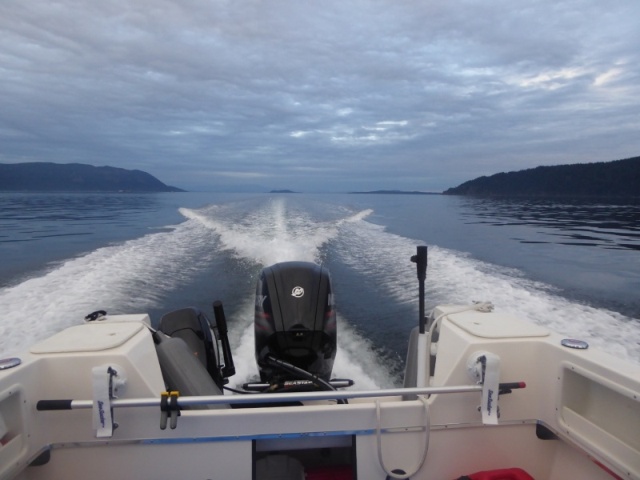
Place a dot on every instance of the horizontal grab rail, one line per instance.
(44, 405)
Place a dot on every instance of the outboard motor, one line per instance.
(295, 322)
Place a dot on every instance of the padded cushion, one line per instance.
(183, 372)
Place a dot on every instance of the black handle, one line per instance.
(221, 321)
(44, 405)
(421, 262)
(420, 259)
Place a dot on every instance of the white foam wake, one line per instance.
(267, 236)
(273, 233)
(454, 277)
(126, 278)
(276, 233)
(355, 359)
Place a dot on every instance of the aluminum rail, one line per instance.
(44, 405)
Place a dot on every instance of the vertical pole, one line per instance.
(421, 265)
(420, 260)
(221, 321)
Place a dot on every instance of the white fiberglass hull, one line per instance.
(587, 402)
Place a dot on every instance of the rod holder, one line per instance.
(420, 259)
(221, 321)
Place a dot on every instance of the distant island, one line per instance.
(282, 191)
(619, 178)
(76, 177)
(394, 192)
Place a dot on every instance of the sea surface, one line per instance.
(571, 265)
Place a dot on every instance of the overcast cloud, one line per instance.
(330, 95)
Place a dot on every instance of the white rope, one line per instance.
(477, 306)
(390, 473)
(485, 307)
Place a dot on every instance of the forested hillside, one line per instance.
(76, 177)
(620, 178)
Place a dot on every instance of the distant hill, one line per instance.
(396, 192)
(76, 177)
(620, 178)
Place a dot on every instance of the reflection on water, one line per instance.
(37, 228)
(33, 216)
(577, 222)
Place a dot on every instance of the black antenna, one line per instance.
(221, 321)
(420, 259)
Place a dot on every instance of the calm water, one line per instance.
(573, 266)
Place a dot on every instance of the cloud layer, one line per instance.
(319, 96)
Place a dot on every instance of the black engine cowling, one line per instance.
(295, 320)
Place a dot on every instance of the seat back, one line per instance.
(193, 327)
(183, 372)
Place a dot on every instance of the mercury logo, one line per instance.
(297, 292)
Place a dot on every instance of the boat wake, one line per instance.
(456, 278)
(371, 266)
(268, 235)
(273, 234)
(127, 278)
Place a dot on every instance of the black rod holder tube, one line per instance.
(420, 259)
(221, 321)
(44, 405)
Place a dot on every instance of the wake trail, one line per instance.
(356, 358)
(126, 278)
(456, 278)
(272, 233)
(275, 233)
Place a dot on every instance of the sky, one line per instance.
(319, 96)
